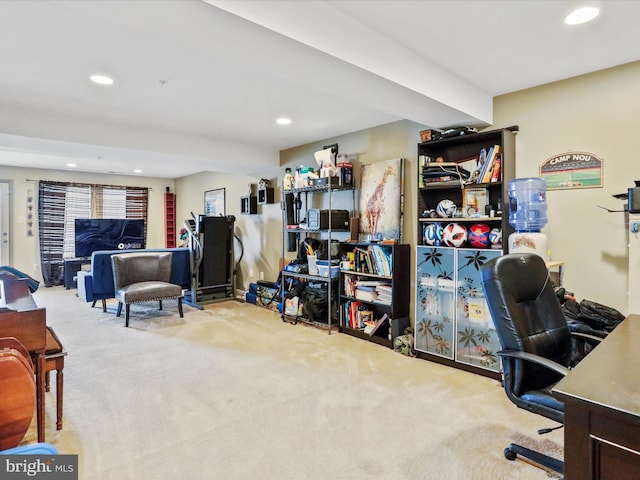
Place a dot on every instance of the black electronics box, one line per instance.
(319, 219)
(634, 200)
(327, 181)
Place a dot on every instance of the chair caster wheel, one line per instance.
(509, 454)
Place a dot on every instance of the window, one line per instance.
(59, 204)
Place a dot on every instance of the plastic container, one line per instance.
(287, 183)
(527, 204)
(313, 265)
(323, 268)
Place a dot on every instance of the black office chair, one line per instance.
(537, 348)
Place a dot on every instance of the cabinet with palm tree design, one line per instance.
(452, 323)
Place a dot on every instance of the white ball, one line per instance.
(433, 234)
(495, 236)
(454, 235)
(446, 209)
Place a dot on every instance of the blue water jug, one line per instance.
(527, 204)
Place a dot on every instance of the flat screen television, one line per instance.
(94, 234)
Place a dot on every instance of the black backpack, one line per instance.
(599, 316)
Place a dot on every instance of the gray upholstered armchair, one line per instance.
(143, 277)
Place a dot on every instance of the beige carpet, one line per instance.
(232, 392)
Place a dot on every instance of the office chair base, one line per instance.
(513, 450)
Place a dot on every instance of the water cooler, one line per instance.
(527, 215)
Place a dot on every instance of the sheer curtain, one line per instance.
(60, 203)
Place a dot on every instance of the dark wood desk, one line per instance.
(25, 321)
(602, 409)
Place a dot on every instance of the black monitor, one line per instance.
(94, 234)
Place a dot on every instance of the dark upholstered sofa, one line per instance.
(97, 284)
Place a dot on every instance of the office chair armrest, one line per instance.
(530, 357)
(586, 337)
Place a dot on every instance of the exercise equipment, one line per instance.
(211, 254)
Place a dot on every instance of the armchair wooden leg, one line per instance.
(119, 311)
(93, 304)
(126, 317)
(160, 304)
(104, 306)
(180, 307)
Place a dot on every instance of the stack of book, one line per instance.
(384, 294)
(378, 291)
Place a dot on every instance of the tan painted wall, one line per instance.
(597, 113)
(261, 234)
(258, 233)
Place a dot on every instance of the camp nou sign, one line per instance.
(572, 170)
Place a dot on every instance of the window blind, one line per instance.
(60, 203)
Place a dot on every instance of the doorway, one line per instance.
(5, 222)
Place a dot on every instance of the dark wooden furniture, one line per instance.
(23, 320)
(602, 409)
(17, 392)
(396, 307)
(169, 219)
(71, 268)
(449, 304)
(464, 151)
(54, 361)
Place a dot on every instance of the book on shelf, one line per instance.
(383, 260)
(364, 316)
(369, 326)
(349, 285)
(363, 260)
(381, 321)
(385, 294)
(490, 162)
(353, 308)
(370, 283)
(366, 294)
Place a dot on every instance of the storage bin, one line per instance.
(323, 269)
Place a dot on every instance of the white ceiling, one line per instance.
(199, 84)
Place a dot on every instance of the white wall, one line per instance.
(597, 113)
(26, 254)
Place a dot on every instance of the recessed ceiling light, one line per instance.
(71, 165)
(581, 15)
(137, 170)
(283, 121)
(101, 79)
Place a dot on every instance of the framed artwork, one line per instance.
(381, 200)
(214, 203)
(572, 170)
